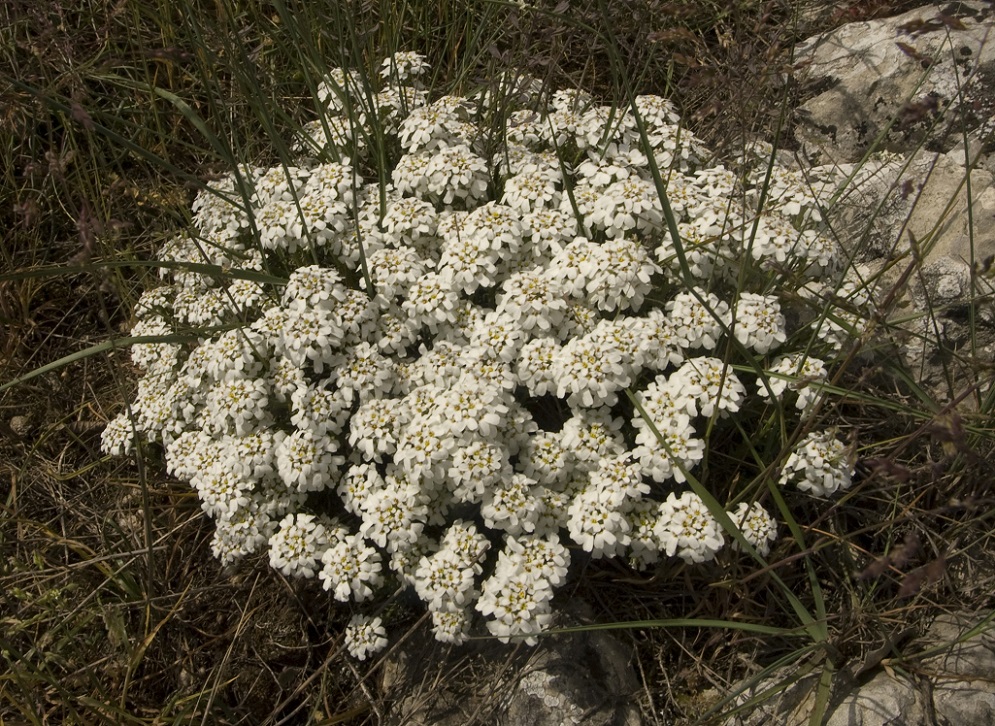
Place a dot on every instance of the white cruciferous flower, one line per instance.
(365, 636)
(819, 465)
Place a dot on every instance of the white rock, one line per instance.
(907, 70)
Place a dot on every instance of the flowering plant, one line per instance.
(513, 352)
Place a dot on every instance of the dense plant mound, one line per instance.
(501, 358)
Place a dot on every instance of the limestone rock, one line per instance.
(578, 678)
(885, 700)
(892, 204)
(925, 75)
(963, 689)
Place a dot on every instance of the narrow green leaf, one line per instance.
(105, 347)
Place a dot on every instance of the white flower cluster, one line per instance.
(438, 393)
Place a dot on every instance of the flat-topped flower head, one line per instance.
(756, 526)
(297, 545)
(365, 636)
(686, 528)
(819, 465)
(351, 569)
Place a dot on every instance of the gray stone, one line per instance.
(921, 206)
(885, 700)
(577, 678)
(952, 683)
(963, 674)
(894, 83)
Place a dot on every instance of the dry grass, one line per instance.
(111, 607)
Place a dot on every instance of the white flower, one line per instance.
(192, 452)
(394, 332)
(660, 346)
(542, 558)
(428, 128)
(423, 447)
(547, 460)
(431, 301)
(497, 224)
(285, 378)
(144, 355)
(819, 465)
(365, 636)
(644, 547)
(222, 490)
(796, 372)
(709, 385)
(619, 275)
(204, 308)
(757, 526)
(619, 480)
(589, 374)
(307, 462)
(393, 517)
(656, 112)
(373, 428)
(478, 467)
(340, 85)
(548, 231)
(356, 317)
(408, 221)
(510, 507)
(219, 206)
(571, 265)
(467, 543)
(339, 137)
(313, 286)
(698, 322)
(629, 204)
(318, 410)
(445, 359)
(444, 582)
(519, 606)
(451, 626)
(524, 130)
(533, 300)
(311, 337)
(591, 434)
(758, 323)
(156, 302)
(118, 436)
(469, 260)
(297, 544)
(241, 533)
(597, 525)
(394, 271)
(676, 450)
(410, 175)
(351, 569)
(472, 407)
(238, 405)
(456, 174)
(236, 353)
(686, 528)
(404, 66)
(254, 455)
(364, 374)
(530, 191)
(537, 366)
(358, 483)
